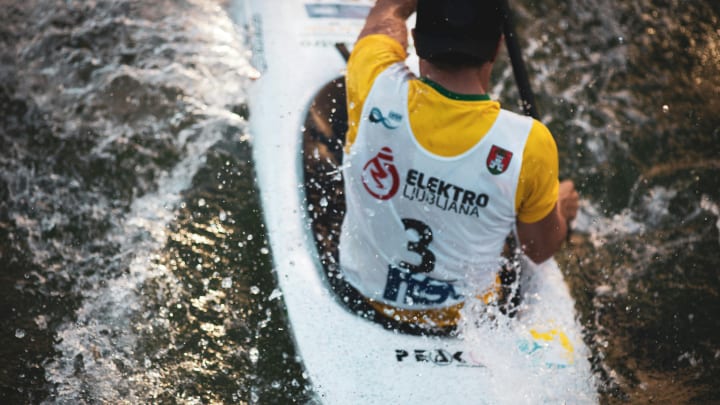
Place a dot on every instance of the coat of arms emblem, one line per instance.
(498, 160)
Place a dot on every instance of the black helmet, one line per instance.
(458, 31)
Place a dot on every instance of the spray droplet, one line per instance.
(254, 354)
(226, 282)
(254, 290)
(275, 295)
(665, 108)
(201, 202)
(41, 322)
(19, 333)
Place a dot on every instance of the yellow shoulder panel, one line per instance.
(537, 190)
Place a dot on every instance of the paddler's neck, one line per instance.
(470, 81)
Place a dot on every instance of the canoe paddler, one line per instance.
(436, 173)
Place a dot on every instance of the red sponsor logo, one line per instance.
(498, 160)
(380, 177)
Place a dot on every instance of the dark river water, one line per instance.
(134, 266)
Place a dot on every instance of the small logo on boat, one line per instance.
(392, 121)
(438, 357)
(498, 160)
(553, 346)
(380, 176)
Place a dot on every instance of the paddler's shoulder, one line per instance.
(541, 139)
(540, 135)
(377, 45)
(370, 56)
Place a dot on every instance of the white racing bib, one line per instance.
(423, 231)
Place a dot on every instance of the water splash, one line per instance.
(181, 91)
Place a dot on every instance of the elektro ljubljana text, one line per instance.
(446, 196)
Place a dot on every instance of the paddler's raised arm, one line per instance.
(389, 17)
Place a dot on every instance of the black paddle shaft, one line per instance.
(518, 64)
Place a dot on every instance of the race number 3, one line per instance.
(427, 262)
(408, 283)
